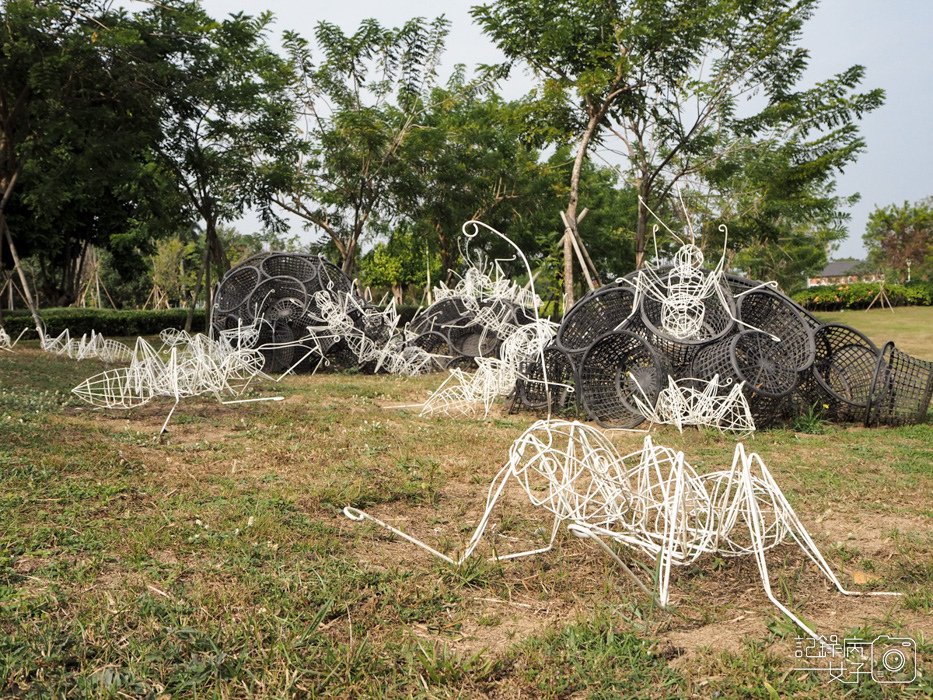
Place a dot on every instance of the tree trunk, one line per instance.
(641, 232)
(27, 295)
(570, 213)
(348, 264)
(216, 256)
(208, 297)
(205, 261)
(447, 251)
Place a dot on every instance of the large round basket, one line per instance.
(901, 389)
(594, 315)
(615, 367)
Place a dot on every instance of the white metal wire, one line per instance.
(696, 402)
(464, 394)
(93, 346)
(187, 365)
(393, 354)
(470, 394)
(651, 501)
(682, 291)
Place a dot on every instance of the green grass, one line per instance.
(910, 327)
(217, 563)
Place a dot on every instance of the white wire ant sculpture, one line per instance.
(195, 365)
(6, 343)
(93, 346)
(683, 290)
(698, 402)
(651, 501)
(393, 354)
(464, 393)
(476, 283)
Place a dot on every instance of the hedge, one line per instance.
(860, 294)
(107, 321)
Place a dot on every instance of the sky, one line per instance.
(889, 37)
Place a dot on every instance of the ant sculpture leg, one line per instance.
(584, 531)
(495, 492)
(803, 538)
(169, 417)
(793, 525)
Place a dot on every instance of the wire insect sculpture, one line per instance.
(651, 501)
(685, 290)
(6, 343)
(384, 346)
(697, 402)
(465, 393)
(186, 365)
(93, 346)
(471, 393)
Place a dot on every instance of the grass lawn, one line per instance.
(910, 327)
(218, 564)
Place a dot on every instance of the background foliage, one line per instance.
(132, 141)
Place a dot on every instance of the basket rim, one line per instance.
(614, 286)
(789, 304)
(656, 356)
(730, 310)
(818, 376)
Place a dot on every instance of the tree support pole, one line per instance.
(27, 295)
(586, 253)
(569, 236)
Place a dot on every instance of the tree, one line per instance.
(896, 234)
(173, 267)
(777, 196)
(465, 161)
(75, 121)
(359, 103)
(398, 264)
(665, 77)
(228, 123)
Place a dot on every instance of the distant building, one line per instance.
(841, 272)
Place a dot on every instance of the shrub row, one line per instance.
(860, 294)
(107, 321)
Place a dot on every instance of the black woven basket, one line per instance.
(774, 313)
(594, 315)
(472, 340)
(530, 389)
(843, 373)
(303, 268)
(901, 389)
(276, 359)
(280, 299)
(439, 314)
(277, 289)
(605, 383)
(739, 285)
(436, 344)
(236, 288)
(755, 359)
(331, 278)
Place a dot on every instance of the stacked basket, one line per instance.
(612, 348)
(461, 329)
(276, 291)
